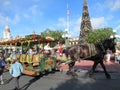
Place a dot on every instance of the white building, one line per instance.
(6, 33)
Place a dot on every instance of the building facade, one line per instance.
(6, 33)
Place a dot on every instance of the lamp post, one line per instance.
(66, 35)
(116, 37)
(113, 36)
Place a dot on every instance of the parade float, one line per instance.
(34, 64)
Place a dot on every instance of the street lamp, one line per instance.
(113, 36)
(66, 35)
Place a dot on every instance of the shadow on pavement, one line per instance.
(25, 87)
(7, 81)
(72, 84)
(87, 84)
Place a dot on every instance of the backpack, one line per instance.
(2, 63)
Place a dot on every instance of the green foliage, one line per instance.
(56, 34)
(99, 34)
(52, 33)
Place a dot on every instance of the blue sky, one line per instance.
(26, 16)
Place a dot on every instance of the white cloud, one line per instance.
(6, 20)
(61, 22)
(74, 26)
(16, 19)
(98, 22)
(99, 6)
(26, 16)
(110, 17)
(5, 4)
(33, 9)
(117, 28)
(114, 5)
(3, 19)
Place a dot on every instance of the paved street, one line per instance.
(61, 81)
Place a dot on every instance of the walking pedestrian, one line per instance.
(60, 51)
(117, 55)
(16, 70)
(2, 65)
(108, 54)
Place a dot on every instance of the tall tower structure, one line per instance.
(68, 18)
(85, 22)
(6, 33)
(66, 34)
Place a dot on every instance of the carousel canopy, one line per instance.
(28, 39)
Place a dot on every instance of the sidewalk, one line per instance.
(87, 65)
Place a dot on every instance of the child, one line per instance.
(15, 70)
